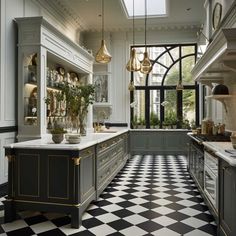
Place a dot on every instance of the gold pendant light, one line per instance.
(133, 63)
(146, 65)
(103, 56)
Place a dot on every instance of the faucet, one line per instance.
(101, 115)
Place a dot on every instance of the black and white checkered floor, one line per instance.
(152, 195)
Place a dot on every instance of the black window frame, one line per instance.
(162, 88)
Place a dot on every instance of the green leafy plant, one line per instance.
(135, 121)
(77, 99)
(58, 130)
(154, 120)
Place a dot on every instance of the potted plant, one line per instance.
(135, 122)
(141, 123)
(154, 120)
(77, 99)
(58, 134)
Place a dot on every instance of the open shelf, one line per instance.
(223, 99)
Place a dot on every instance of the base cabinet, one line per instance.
(58, 180)
(158, 142)
(111, 158)
(227, 187)
(50, 180)
(196, 164)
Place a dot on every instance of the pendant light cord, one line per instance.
(102, 19)
(145, 26)
(133, 24)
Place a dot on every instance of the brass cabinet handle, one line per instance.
(10, 158)
(76, 160)
(89, 152)
(225, 167)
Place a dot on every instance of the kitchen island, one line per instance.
(49, 177)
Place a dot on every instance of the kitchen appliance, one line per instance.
(203, 165)
(211, 177)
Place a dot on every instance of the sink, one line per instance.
(107, 131)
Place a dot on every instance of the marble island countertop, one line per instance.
(223, 150)
(86, 141)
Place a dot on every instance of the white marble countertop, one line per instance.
(219, 149)
(86, 141)
(161, 130)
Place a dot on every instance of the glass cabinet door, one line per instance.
(30, 89)
(101, 88)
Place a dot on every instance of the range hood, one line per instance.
(219, 58)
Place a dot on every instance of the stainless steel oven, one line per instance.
(211, 178)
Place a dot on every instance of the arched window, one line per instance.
(156, 102)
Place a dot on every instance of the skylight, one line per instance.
(155, 8)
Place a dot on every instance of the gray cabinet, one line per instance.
(227, 211)
(158, 142)
(50, 180)
(61, 180)
(196, 163)
(111, 157)
(46, 59)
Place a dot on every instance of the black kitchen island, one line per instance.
(62, 177)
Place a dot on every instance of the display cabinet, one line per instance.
(102, 107)
(46, 60)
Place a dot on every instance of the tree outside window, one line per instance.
(157, 102)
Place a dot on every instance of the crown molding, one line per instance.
(60, 12)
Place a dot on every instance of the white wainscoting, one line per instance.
(5, 138)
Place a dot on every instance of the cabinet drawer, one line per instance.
(104, 146)
(110, 154)
(103, 175)
(87, 152)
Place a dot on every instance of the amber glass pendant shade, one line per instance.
(146, 65)
(103, 56)
(133, 63)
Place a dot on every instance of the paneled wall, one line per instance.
(10, 9)
(5, 138)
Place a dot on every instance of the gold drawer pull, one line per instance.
(10, 158)
(76, 160)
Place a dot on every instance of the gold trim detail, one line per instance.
(48, 203)
(76, 160)
(11, 158)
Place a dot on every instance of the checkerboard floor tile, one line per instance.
(151, 195)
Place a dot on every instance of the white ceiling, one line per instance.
(85, 13)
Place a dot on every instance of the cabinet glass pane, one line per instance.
(30, 89)
(101, 88)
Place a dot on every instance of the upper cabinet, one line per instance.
(218, 61)
(46, 60)
(219, 58)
